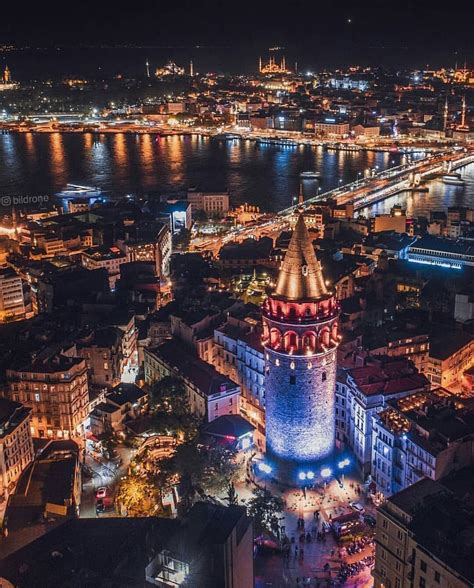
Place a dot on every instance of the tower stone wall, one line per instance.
(300, 406)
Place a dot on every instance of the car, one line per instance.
(357, 506)
(101, 492)
(370, 520)
(100, 506)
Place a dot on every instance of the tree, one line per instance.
(265, 510)
(171, 414)
(231, 498)
(169, 396)
(182, 239)
(201, 216)
(139, 496)
(202, 469)
(109, 443)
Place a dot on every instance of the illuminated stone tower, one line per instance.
(300, 336)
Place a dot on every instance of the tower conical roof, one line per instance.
(301, 276)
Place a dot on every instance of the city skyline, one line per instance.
(237, 295)
(374, 32)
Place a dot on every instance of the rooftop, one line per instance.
(49, 480)
(12, 414)
(230, 425)
(207, 379)
(387, 377)
(125, 393)
(459, 246)
(301, 276)
(442, 518)
(447, 344)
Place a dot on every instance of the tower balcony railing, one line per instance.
(301, 320)
(299, 350)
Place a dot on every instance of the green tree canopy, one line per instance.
(265, 510)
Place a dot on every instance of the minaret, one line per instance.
(7, 76)
(260, 64)
(147, 65)
(191, 68)
(463, 111)
(283, 63)
(300, 337)
(445, 117)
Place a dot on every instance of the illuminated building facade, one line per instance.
(12, 303)
(57, 393)
(300, 336)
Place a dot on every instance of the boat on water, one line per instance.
(310, 175)
(76, 193)
(226, 137)
(454, 179)
(280, 142)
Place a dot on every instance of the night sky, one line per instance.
(379, 31)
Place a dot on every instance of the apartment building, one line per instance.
(426, 434)
(425, 535)
(12, 303)
(109, 258)
(364, 391)
(56, 391)
(16, 446)
(239, 355)
(210, 394)
(450, 356)
(212, 203)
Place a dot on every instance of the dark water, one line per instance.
(439, 197)
(267, 176)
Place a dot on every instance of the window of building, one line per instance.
(323, 376)
(422, 583)
(292, 379)
(423, 565)
(437, 577)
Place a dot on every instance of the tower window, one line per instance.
(292, 379)
(324, 376)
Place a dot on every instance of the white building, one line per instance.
(239, 355)
(362, 392)
(212, 203)
(210, 394)
(426, 434)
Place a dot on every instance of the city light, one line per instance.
(326, 472)
(310, 475)
(343, 463)
(302, 476)
(265, 468)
